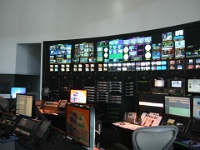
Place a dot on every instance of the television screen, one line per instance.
(15, 90)
(179, 106)
(60, 53)
(78, 124)
(84, 53)
(159, 83)
(151, 103)
(196, 107)
(176, 84)
(194, 85)
(25, 105)
(78, 96)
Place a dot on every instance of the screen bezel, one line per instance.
(85, 92)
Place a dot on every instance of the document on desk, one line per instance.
(151, 120)
(127, 125)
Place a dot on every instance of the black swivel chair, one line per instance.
(151, 138)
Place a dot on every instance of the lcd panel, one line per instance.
(60, 53)
(194, 85)
(196, 107)
(151, 103)
(159, 83)
(15, 90)
(25, 105)
(78, 96)
(78, 124)
(179, 106)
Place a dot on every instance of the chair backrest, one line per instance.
(154, 138)
(4, 105)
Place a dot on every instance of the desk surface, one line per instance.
(127, 125)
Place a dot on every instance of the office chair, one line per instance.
(154, 138)
(150, 138)
(4, 105)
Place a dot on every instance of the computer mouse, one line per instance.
(193, 143)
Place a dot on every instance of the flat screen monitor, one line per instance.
(196, 107)
(15, 90)
(159, 83)
(176, 84)
(78, 96)
(193, 85)
(151, 103)
(178, 106)
(25, 105)
(78, 124)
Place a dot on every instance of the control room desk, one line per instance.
(127, 128)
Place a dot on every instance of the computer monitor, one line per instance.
(193, 85)
(15, 90)
(178, 106)
(196, 107)
(25, 105)
(78, 96)
(151, 103)
(78, 124)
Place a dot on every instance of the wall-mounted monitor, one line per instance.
(176, 84)
(196, 107)
(78, 124)
(25, 105)
(159, 83)
(78, 96)
(15, 90)
(178, 106)
(193, 85)
(60, 53)
(151, 103)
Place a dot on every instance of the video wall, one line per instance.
(173, 48)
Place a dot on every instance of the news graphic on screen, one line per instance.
(78, 124)
(60, 53)
(84, 53)
(179, 106)
(78, 96)
(25, 105)
(194, 85)
(15, 90)
(167, 46)
(102, 51)
(115, 54)
(196, 107)
(179, 41)
(156, 51)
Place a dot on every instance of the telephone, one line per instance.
(42, 129)
(62, 103)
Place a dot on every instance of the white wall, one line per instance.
(34, 21)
